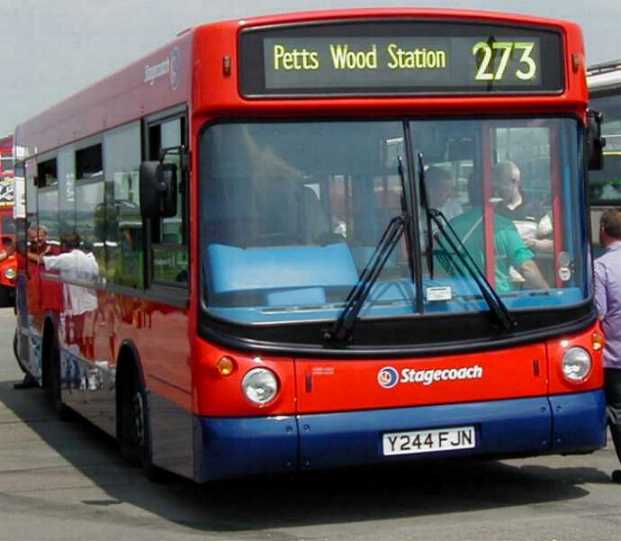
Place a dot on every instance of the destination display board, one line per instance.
(399, 57)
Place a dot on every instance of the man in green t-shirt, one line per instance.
(510, 249)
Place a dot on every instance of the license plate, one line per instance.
(429, 441)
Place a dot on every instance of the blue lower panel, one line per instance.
(502, 427)
(579, 422)
(231, 447)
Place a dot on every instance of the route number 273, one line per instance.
(490, 70)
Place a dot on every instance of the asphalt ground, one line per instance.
(66, 480)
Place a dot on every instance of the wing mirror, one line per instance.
(158, 187)
(595, 143)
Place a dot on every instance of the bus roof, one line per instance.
(422, 13)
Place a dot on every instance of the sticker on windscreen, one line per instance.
(438, 293)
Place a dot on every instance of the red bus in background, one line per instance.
(8, 263)
(237, 262)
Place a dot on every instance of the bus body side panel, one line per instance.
(172, 433)
(157, 335)
(162, 338)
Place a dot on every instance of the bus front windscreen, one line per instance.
(291, 213)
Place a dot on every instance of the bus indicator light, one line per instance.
(597, 341)
(226, 366)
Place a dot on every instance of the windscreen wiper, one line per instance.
(404, 212)
(422, 189)
(498, 308)
(342, 329)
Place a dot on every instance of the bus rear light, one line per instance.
(226, 366)
(10, 273)
(597, 341)
(260, 386)
(577, 365)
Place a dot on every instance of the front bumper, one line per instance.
(234, 447)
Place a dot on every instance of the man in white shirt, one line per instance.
(78, 271)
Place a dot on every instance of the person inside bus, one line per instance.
(508, 187)
(510, 250)
(440, 189)
(531, 220)
(607, 270)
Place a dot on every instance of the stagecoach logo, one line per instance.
(388, 377)
(174, 68)
(169, 67)
(151, 73)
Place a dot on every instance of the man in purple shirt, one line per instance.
(608, 303)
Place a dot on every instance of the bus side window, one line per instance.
(122, 220)
(169, 236)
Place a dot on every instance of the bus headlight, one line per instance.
(10, 273)
(577, 365)
(260, 385)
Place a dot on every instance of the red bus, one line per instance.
(276, 245)
(8, 263)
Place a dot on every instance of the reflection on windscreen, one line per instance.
(291, 213)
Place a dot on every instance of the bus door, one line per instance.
(165, 314)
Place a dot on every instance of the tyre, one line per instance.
(134, 427)
(5, 297)
(52, 381)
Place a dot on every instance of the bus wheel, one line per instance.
(135, 434)
(52, 382)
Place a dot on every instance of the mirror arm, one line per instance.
(179, 149)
